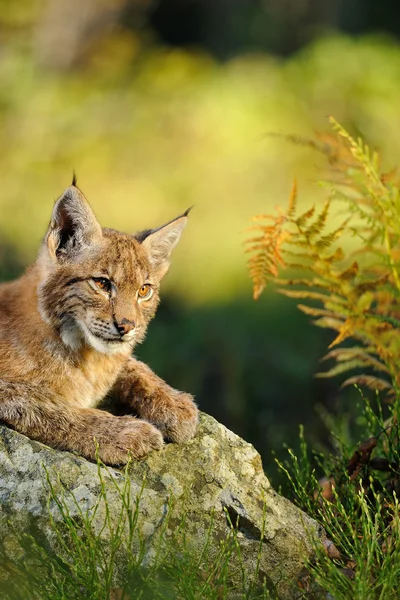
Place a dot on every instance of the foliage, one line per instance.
(124, 567)
(150, 133)
(357, 504)
(358, 291)
(168, 129)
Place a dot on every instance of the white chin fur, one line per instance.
(76, 334)
(101, 345)
(128, 337)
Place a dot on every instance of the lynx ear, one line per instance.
(73, 226)
(160, 242)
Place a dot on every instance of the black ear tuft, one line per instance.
(74, 179)
(161, 241)
(140, 236)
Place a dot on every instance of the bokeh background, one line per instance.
(163, 104)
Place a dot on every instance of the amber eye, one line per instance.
(102, 283)
(145, 292)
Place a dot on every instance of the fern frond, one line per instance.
(370, 285)
(341, 368)
(345, 332)
(305, 294)
(318, 225)
(345, 354)
(329, 323)
(306, 216)
(327, 240)
(361, 153)
(393, 322)
(321, 312)
(374, 383)
(292, 201)
(358, 299)
(349, 273)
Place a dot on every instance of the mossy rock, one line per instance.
(216, 479)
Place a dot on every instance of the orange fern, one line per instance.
(359, 298)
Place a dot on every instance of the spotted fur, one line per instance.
(68, 327)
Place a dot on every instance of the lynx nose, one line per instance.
(125, 326)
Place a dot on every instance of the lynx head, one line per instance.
(100, 287)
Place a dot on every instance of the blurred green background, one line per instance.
(160, 105)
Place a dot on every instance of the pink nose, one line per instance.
(125, 326)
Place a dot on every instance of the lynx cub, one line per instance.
(67, 330)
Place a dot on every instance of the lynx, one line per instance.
(67, 330)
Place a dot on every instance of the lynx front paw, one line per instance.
(174, 414)
(134, 438)
(183, 419)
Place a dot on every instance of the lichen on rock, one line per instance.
(217, 478)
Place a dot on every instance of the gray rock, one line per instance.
(216, 477)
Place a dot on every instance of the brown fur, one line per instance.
(67, 330)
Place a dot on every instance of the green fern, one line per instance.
(357, 294)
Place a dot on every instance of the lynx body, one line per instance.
(67, 330)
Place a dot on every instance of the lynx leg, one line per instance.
(25, 408)
(171, 411)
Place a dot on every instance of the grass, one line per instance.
(356, 501)
(125, 567)
(351, 491)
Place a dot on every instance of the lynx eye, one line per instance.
(145, 292)
(102, 283)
